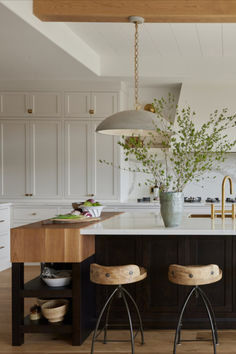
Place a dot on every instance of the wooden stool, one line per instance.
(194, 276)
(118, 275)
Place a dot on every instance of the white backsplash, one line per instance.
(210, 187)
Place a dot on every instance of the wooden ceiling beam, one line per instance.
(120, 10)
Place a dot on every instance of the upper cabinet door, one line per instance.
(77, 104)
(77, 153)
(14, 159)
(106, 177)
(13, 104)
(104, 104)
(45, 158)
(44, 104)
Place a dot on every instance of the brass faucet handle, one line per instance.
(233, 211)
(212, 211)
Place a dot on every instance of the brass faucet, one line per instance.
(223, 211)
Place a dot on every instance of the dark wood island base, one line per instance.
(158, 299)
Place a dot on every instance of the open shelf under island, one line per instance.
(123, 239)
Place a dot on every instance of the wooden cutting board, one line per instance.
(73, 221)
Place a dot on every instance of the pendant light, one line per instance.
(135, 122)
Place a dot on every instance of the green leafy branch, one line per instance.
(185, 152)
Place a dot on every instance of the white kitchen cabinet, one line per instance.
(4, 236)
(45, 159)
(14, 158)
(77, 104)
(103, 104)
(77, 164)
(32, 213)
(90, 104)
(106, 181)
(26, 104)
(30, 155)
(45, 104)
(84, 176)
(14, 104)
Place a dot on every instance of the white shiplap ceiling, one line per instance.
(160, 39)
(168, 52)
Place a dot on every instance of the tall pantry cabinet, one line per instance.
(49, 148)
(86, 176)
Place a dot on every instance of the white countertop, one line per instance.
(150, 223)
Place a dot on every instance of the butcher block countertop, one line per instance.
(46, 242)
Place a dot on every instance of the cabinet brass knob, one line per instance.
(34, 213)
(1, 247)
(90, 195)
(26, 194)
(91, 111)
(30, 110)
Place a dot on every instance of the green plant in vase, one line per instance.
(185, 154)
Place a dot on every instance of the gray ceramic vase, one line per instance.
(172, 207)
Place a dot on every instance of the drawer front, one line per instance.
(33, 214)
(4, 220)
(5, 247)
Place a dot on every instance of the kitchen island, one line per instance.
(131, 238)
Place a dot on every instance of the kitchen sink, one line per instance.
(208, 216)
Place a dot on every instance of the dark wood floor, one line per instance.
(158, 342)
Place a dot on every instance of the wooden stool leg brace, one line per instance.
(199, 292)
(121, 292)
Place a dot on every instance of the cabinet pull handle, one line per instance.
(90, 195)
(34, 213)
(1, 247)
(91, 111)
(31, 195)
(30, 110)
(2, 220)
(26, 194)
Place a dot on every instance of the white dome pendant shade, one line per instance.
(133, 122)
(128, 123)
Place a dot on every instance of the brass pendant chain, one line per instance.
(136, 67)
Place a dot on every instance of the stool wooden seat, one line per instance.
(194, 274)
(116, 275)
(119, 276)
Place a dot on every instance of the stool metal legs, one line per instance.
(100, 317)
(138, 313)
(130, 322)
(198, 291)
(122, 292)
(212, 313)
